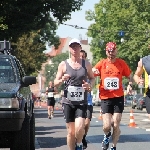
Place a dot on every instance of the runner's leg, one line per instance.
(116, 129)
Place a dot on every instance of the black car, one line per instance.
(141, 103)
(17, 122)
(135, 99)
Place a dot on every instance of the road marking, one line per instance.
(147, 129)
(146, 120)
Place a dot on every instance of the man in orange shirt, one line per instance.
(111, 70)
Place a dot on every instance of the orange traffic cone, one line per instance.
(56, 108)
(132, 123)
(100, 115)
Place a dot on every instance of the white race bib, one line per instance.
(50, 94)
(111, 83)
(75, 93)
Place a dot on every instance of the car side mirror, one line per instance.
(29, 80)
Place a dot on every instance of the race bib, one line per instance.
(75, 93)
(111, 83)
(50, 94)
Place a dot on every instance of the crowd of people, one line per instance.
(78, 77)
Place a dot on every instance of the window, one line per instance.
(6, 71)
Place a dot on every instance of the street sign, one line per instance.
(121, 33)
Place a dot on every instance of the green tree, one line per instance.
(32, 45)
(29, 50)
(2, 26)
(113, 16)
(50, 70)
(20, 19)
(29, 15)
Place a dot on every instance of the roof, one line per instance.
(84, 42)
(57, 51)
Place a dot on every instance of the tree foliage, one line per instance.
(30, 24)
(22, 16)
(51, 70)
(113, 16)
(29, 50)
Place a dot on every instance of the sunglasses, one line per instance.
(75, 45)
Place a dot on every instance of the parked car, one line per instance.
(135, 99)
(141, 103)
(17, 120)
(128, 100)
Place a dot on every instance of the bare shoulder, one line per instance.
(62, 65)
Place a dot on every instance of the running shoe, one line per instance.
(113, 148)
(105, 142)
(49, 117)
(79, 147)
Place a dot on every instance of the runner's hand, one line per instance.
(141, 81)
(95, 71)
(86, 85)
(65, 77)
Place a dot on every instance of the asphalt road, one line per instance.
(140, 117)
(51, 133)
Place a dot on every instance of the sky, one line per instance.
(77, 18)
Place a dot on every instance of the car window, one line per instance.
(6, 71)
(129, 97)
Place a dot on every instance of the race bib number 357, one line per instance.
(111, 83)
(75, 93)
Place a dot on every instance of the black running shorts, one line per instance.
(112, 105)
(51, 102)
(73, 111)
(89, 111)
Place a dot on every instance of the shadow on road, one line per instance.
(52, 142)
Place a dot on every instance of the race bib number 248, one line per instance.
(111, 83)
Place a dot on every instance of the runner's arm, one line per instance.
(96, 69)
(138, 72)
(46, 90)
(58, 80)
(90, 74)
(55, 90)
